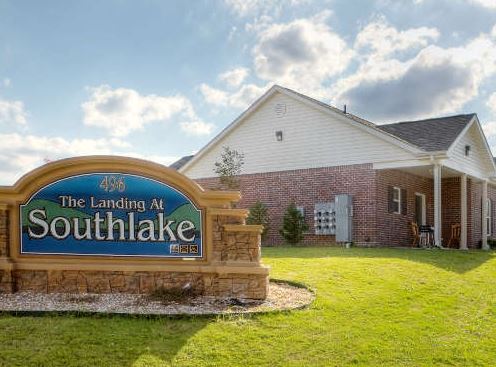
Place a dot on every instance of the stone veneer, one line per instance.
(231, 266)
(233, 244)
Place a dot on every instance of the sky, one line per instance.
(159, 79)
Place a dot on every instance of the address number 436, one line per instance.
(113, 183)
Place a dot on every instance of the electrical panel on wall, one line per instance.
(344, 218)
(325, 219)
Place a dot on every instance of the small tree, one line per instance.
(293, 225)
(259, 215)
(229, 167)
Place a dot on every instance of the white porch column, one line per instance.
(484, 211)
(463, 212)
(437, 204)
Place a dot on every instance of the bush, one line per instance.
(259, 215)
(229, 167)
(293, 225)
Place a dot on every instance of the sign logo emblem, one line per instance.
(111, 214)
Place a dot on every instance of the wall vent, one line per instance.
(280, 109)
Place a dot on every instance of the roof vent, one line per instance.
(280, 109)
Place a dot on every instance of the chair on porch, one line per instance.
(455, 235)
(415, 234)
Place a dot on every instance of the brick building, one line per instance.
(438, 172)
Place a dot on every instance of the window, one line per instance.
(489, 217)
(396, 200)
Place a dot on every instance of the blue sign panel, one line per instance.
(111, 214)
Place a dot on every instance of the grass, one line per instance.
(374, 307)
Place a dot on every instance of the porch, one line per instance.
(436, 196)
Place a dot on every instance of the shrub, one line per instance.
(259, 215)
(229, 167)
(293, 225)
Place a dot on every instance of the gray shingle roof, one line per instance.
(434, 134)
(181, 162)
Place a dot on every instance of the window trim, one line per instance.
(398, 190)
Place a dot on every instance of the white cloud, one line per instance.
(491, 103)
(196, 127)
(163, 160)
(234, 77)
(491, 4)
(489, 129)
(13, 112)
(26, 152)
(400, 73)
(248, 7)
(121, 110)
(435, 82)
(301, 54)
(239, 99)
(6, 82)
(380, 39)
(259, 24)
(214, 96)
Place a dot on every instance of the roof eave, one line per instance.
(474, 120)
(370, 127)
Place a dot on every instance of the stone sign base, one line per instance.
(230, 266)
(210, 284)
(233, 272)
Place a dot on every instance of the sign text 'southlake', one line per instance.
(111, 214)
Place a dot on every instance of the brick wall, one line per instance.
(491, 193)
(307, 187)
(395, 229)
(372, 224)
(474, 219)
(451, 206)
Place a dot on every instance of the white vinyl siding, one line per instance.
(310, 139)
(477, 162)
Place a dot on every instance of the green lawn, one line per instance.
(374, 307)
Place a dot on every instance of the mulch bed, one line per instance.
(282, 296)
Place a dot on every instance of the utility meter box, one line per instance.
(325, 219)
(344, 217)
